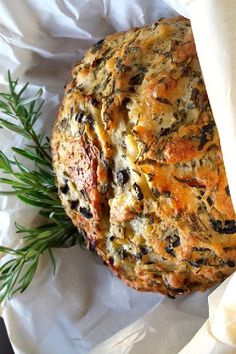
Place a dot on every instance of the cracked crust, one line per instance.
(138, 161)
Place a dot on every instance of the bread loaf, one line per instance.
(138, 161)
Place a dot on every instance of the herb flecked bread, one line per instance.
(139, 165)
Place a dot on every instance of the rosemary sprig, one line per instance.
(34, 186)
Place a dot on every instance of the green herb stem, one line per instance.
(34, 186)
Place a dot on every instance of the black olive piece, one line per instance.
(95, 63)
(89, 119)
(186, 70)
(229, 223)
(74, 204)
(79, 117)
(82, 118)
(208, 128)
(227, 191)
(93, 102)
(198, 262)
(176, 241)
(163, 100)
(109, 174)
(203, 141)
(64, 189)
(85, 212)
(97, 46)
(178, 101)
(138, 191)
(122, 177)
(125, 102)
(229, 226)
(201, 162)
(143, 250)
(137, 79)
(216, 225)
(209, 201)
(164, 131)
(230, 263)
(170, 251)
(123, 253)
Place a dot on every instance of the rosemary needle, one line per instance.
(34, 186)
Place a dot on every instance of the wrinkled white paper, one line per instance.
(83, 304)
(217, 335)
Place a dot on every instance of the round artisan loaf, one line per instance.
(138, 161)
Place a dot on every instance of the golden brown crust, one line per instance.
(136, 145)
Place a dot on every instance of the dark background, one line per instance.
(5, 346)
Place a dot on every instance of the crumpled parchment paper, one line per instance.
(84, 304)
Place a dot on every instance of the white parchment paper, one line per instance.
(83, 304)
